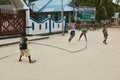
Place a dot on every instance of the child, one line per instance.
(105, 34)
(24, 48)
(72, 32)
(84, 31)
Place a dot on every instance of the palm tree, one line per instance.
(31, 0)
(3, 2)
(104, 8)
(101, 12)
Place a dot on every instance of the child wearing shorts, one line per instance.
(84, 31)
(105, 34)
(72, 32)
(24, 48)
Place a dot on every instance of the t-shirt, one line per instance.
(105, 31)
(23, 43)
(84, 29)
(73, 26)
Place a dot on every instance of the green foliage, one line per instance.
(4, 2)
(31, 0)
(104, 8)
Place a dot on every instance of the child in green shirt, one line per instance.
(84, 31)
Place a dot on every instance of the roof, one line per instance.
(50, 5)
(19, 4)
(39, 4)
(9, 7)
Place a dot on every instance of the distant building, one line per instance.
(8, 7)
(115, 18)
(53, 8)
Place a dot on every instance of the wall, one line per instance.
(46, 26)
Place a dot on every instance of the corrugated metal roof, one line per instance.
(50, 5)
(19, 4)
(39, 4)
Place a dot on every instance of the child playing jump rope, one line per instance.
(84, 31)
(105, 34)
(72, 32)
(24, 48)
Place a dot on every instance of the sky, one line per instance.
(113, 0)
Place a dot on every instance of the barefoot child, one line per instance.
(72, 32)
(105, 34)
(84, 31)
(24, 48)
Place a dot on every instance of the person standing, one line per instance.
(105, 34)
(72, 32)
(84, 31)
(24, 48)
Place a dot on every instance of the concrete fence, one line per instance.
(46, 26)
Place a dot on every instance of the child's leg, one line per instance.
(80, 36)
(30, 60)
(72, 35)
(20, 58)
(70, 38)
(21, 54)
(85, 36)
(105, 38)
(26, 53)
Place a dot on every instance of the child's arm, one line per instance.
(28, 42)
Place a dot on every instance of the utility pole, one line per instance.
(62, 17)
(74, 9)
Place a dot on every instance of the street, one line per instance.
(58, 59)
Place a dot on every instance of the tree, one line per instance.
(104, 8)
(3, 2)
(31, 0)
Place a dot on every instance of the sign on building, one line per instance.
(86, 14)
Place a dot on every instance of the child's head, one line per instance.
(23, 34)
(73, 21)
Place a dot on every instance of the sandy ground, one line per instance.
(57, 59)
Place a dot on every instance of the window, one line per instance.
(53, 24)
(45, 25)
(40, 27)
(58, 26)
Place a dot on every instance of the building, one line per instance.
(49, 17)
(52, 7)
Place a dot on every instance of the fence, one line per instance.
(46, 26)
(12, 22)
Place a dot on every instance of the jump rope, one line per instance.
(50, 46)
(62, 48)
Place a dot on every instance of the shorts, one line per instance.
(72, 33)
(25, 52)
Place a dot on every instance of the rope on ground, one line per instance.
(62, 48)
(1, 58)
(81, 49)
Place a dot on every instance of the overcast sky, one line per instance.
(113, 0)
